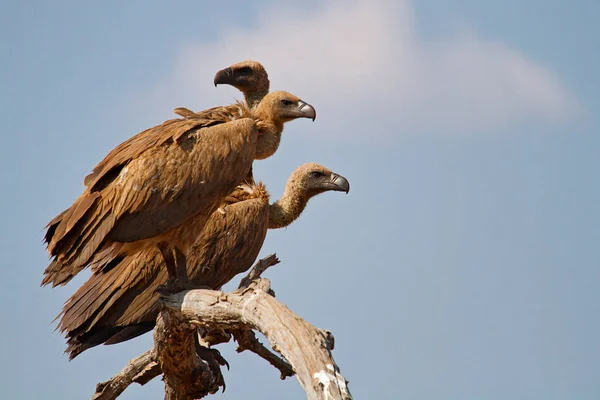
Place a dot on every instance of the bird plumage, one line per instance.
(119, 303)
(142, 197)
(143, 193)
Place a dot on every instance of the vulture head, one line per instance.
(249, 77)
(282, 107)
(274, 110)
(306, 181)
(312, 179)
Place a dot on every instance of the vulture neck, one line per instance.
(288, 208)
(269, 136)
(254, 97)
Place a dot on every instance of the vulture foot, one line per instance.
(214, 360)
(212, 356)
(216, 336)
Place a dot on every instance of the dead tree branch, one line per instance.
(258, 269)
(305, 347)
(246, 338)
(132, 372)
(192, 370)
(247, 341)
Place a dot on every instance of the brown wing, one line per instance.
(152, 193)
(134, 146)
(184, 182)
(120, 303)
(236, 237)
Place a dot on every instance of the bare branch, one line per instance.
(247, 341)
(192, 369)
(112, 388)
(150, 372)
(258, 269)
(306, 348)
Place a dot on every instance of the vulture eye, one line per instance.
(286, 102)
(245, 70)
(316, 174)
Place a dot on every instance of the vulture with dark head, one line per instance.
(120, 303)
(157, 189)
(249, 77)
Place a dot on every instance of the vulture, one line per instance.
(249, 77)
(120, 303)
(157, 189)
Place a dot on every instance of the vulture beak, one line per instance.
(339, 183)
(306, 110)
(224, 77)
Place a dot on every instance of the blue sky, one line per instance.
(462, 265)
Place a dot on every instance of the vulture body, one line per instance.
(120, 303)
(157, 189)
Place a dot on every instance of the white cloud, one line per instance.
(357, 61)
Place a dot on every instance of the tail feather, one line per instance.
(79, 307)
(125, 287)
(74, 236)
(93, 315)
(129, 332)
(66, 221)
(79, 343)
(56, 274)
(89, 302)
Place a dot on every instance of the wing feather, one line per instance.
(121, 303)
(157, 189)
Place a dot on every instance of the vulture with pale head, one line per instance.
(120, 302)
(157, 189)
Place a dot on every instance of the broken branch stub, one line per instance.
(247, 341)
(133, 371)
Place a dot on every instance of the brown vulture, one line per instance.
(120, 303)
(158, 188)
(249, 77)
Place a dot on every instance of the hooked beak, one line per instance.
(224, 77)
(340, 184)
(306, 110)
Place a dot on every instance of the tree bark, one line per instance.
(185, 373)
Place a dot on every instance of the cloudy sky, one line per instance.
(462, 265)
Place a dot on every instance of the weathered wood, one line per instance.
(151, 371)
(186, 375)
(257, 270)
(305, 347)
(247, 341)
(135, 369)
(192, 370)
